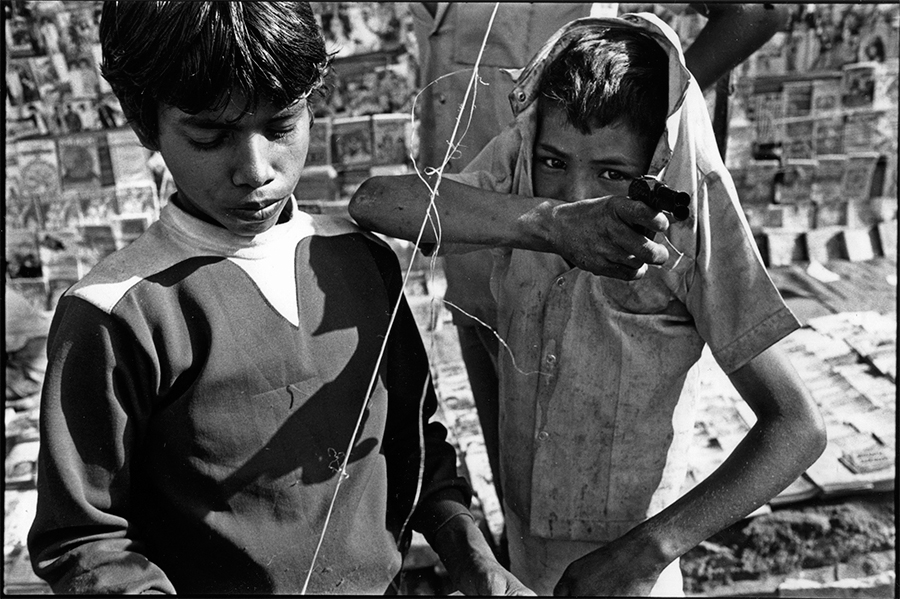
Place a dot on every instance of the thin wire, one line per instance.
(421, 473)
(451, 148)
(342, 474)
(500, 339)
(343, 471)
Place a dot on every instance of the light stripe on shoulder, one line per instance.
(114, 276)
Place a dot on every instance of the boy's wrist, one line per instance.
(652, 552)
(463, 549)
(536, 227)
(438, 510)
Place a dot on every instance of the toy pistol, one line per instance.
(660, 197)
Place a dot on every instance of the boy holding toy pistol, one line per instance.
(600, 374)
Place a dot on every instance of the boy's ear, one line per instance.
(144, 139)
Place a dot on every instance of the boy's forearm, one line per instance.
(450, 529)
(787, 438)
(599, 235)
(755, 472)
(398, 206)
(458, 542)
(470, 563)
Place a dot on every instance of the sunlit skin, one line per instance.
(237, 173)
(571, 166)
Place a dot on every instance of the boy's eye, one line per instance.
(552, 163)
(213, 142)
(614, 175)
(207, 143)
(280, 133)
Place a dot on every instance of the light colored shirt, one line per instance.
(598, 384)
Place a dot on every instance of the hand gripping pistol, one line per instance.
(660, 197)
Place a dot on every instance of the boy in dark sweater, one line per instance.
(206, 383)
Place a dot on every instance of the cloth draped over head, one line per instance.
(688, 126)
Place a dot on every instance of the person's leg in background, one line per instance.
(474, 312)
(478, 346)
(479, 352)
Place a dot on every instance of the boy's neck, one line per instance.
(189, 209)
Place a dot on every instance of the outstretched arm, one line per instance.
(788, 437)
(596, 235)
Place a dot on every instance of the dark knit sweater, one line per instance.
(201, 394)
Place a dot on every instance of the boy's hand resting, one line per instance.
(601, 236)
(611, 571)
(471, 564)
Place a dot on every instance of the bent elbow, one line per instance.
(815, 437)
(821, 439)
(363, 205)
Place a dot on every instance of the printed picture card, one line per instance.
(352, 141)
(390, 135)
(79, 162)
(38, 167)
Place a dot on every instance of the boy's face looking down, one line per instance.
(235, 171)
(570, 165)
(263, 62)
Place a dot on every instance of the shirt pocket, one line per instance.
(662, 289)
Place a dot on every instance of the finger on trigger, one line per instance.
(659, 222)
(641, 214)
(656, 253)
(633, 274)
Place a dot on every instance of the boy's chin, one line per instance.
(243, 229)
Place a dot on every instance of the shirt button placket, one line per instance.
(549, 361)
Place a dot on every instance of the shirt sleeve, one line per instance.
(81, 540)
(737, 308)
(410, 380)
(412, 404)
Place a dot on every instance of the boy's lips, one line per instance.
(258, 210)
(254, 206)
(259, 203)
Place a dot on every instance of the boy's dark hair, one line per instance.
(608, 76)
(195, 55)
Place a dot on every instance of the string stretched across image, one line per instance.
(432, 218)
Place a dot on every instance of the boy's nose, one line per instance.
(253, 166)
(580, 187)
